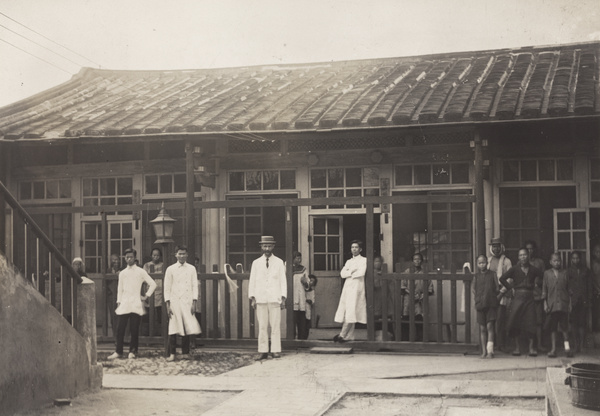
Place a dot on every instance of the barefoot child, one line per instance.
(310, 302)
(486, 289)
(555, 292)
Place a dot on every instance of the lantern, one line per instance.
(163, 227)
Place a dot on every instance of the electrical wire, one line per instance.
(39, 44)
(41, 59)
(56, 43)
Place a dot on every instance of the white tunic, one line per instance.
(353, 304)
(180, 289)
(129, 297)
(267, 284)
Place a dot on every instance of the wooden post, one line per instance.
(479, 202)
(370, 272)
(190, 220)
(106, 258)
(3, 174)
(289, 321)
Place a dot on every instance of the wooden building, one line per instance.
(435, 154)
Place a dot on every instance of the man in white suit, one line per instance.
(267, 292)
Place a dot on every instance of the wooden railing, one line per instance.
(37, 268)
(395, 321)
(226, 314)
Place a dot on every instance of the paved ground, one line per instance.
(321, 384)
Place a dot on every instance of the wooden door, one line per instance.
(326, 261)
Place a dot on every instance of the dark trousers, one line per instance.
(501, 318)
(300, 327)
(185, 344)
(134, 323)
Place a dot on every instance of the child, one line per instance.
(580, 282)
(555, 292)
(130, 306)
(310, 302)
(486, 289)
(301, 283)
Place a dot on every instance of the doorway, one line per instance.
(330, 237)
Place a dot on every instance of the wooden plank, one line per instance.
(411, 311)
(190, 228)
(440, 312)
(298, 202)
(453, 312)
(426, 311)
(240, 310)
(203, 307)
(384, 306)
(370, 271)
(467, 295)
(398, 306)
(215, 308)
(479, 196)
(289, 274)
(227, 312)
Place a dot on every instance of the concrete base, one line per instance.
(96, 373)
(331, 350)
(558, 396)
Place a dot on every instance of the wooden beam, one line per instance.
(190, 229)
(479, 197)
(289, 273)
(300, 202)
(370, 272)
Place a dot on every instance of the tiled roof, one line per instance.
(525, 83)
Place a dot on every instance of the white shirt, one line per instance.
(181, 282)
(129, 297)
(267, 284)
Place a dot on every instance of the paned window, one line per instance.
(343, 182)
(170, 183)
(107, 192)
(595, 180)
(49, 189)
(431, 174)
(262, 180)
(537, 170)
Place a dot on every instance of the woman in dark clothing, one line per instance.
(521, 318)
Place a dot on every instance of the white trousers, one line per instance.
(269, 314)
(347, 331)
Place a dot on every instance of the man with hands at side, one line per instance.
(267, 291)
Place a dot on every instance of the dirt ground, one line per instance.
(136, 403)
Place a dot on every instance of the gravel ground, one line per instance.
(201, 363)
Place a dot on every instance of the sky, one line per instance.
(191, 34)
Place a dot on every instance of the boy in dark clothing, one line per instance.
(557, 302)
(486, 289)
(580, 282)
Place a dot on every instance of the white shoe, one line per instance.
(131, 356)
(114, 356)
(171, 357)
(185, 356)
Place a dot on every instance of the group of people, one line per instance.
(179, 292)
(511, 301)
(528, 300)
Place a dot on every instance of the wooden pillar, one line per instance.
(3, 176)
(479, 197)
(190, 219)
(289, 321)
(370, 273)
